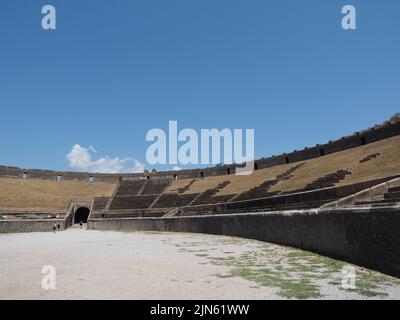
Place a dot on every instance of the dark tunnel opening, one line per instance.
(82, 214)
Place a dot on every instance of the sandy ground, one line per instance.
(139, 265)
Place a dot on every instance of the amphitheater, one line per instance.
(332, 204)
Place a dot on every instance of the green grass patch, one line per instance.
(294, 273)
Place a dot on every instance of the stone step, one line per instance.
(394, 189)
(392, 195)
(379, 202)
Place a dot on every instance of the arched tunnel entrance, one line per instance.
(81, 214)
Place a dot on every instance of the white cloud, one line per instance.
(176, 168)
(80, 159)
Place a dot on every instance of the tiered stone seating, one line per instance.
(370, 157)
(327, 181)
(132, 202)
(156, 186)
(390, 198)
(294, 201)
(208, 196)
(261, 190)
(191, 211)
(138, 194)
(173, 200)
(130, 187)
(393, 193)
(99, 203)
(257, 192)
(186, 187)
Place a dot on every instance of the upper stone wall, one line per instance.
(376, 133)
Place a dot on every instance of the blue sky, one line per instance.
(112, 70)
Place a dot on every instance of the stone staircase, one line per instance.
(389, 199)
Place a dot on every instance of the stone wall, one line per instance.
(15, 226)
(368, 237)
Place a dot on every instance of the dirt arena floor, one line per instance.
(148, 265)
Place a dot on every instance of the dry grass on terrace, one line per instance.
(241, 184)
(238, 183)
(177, 184)
(386, 164)
(36, 195)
